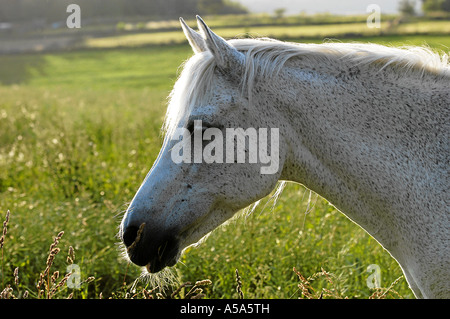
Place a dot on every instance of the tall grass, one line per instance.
(51, 284)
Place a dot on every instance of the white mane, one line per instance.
(264, 57)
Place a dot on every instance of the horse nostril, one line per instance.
(129, 235)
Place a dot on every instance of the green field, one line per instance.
(309, 32)
(78, 133)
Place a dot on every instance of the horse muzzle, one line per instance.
(151, 248)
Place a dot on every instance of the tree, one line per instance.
(435, 5)
(407, 7)
(446, 5)
(55, 10)
(279, 13)
(220, 7)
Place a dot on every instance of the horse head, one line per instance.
(219, 155)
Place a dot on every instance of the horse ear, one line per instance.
(195, 39)
(226, 56)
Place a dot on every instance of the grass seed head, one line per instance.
(5, 229)
(71, 255)
(16, 276)
(239, 285)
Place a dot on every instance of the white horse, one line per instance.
(363, 125)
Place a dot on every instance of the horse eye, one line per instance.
(191, 126)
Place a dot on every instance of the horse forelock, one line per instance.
(191, 88)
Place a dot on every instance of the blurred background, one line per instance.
(39, 25)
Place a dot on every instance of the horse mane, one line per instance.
(266, 57)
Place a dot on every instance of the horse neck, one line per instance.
(348, 129)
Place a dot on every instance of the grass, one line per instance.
(293, 33)
(79, 132)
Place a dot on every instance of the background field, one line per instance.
(79, 131)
